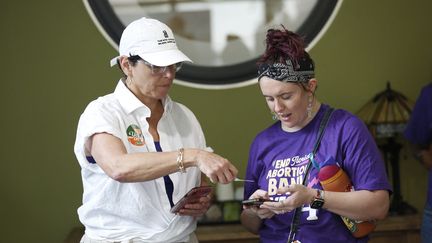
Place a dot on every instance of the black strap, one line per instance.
(296, 219)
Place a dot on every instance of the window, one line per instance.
(224, 38)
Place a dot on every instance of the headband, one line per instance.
(285, 72)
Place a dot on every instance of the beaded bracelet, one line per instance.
(180, 160)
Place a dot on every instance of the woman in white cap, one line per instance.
(140, 152)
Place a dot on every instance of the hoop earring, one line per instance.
(274, 116)
(309, 107)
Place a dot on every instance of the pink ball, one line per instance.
(327, 172)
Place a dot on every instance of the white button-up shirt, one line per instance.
(120, 211)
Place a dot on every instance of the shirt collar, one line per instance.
(130, 102)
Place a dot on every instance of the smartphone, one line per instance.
(255, 201)
(193, 195)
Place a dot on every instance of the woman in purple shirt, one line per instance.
(279, 156)
(419, 133)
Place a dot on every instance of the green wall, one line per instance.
(54, 61)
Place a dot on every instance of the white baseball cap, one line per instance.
(152, 40)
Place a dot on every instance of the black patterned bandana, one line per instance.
(285, 72)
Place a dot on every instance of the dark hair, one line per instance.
(282, 44)
(132, 60)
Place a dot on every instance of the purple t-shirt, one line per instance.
(419, 127)
(278, 158)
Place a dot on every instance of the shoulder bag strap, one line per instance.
(295, 221)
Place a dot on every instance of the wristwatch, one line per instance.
(318, 200)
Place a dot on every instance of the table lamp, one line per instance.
(386, 115)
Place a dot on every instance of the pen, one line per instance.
(242, 180)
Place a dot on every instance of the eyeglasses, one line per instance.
(159, 70)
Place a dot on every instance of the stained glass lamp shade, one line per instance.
(387, 113)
